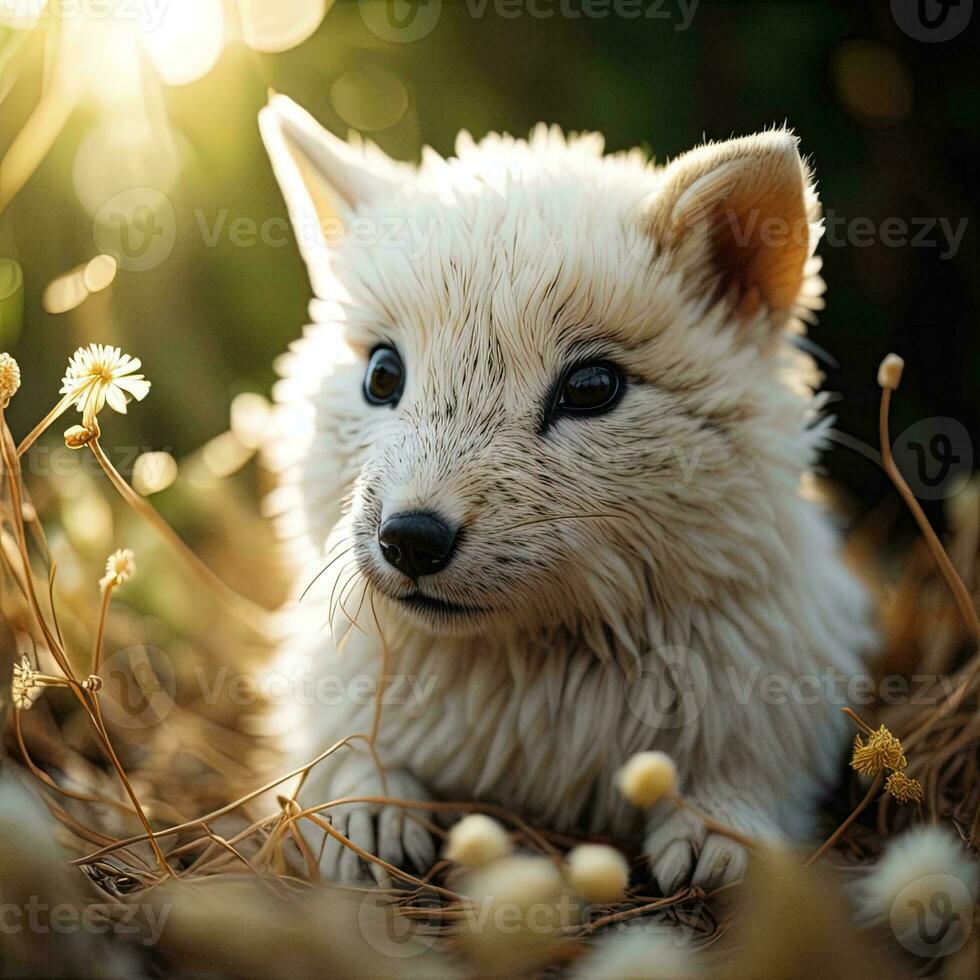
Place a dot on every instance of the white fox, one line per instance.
(550, 437)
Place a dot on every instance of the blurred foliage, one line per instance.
(892, 125)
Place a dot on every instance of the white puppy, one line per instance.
(549, 439)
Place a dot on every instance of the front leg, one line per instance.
(681, 850)
(386, 831)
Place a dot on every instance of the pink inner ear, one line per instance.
(760, 243)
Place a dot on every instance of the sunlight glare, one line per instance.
(21, 15)
(113, 158)
(184, 39)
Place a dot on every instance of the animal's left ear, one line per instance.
(740, 221)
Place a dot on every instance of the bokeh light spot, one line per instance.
(153, 472)
(65, 292)
(224, 455)
(250, 414)
(872, 82)
(278, 25)
(99, 273)
(369, 98)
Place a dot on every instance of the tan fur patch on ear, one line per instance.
(736, 213)
(759, 240)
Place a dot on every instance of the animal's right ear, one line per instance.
(323, 179)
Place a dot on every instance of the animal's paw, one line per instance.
(388, 832)
(682, 852)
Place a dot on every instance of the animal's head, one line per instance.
(546, 386)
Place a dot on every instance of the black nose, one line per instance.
(416, 544)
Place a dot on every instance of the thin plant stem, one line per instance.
(150, 836)
(243, 609)
(860, 722)
(842, 829)
(45, 423)
(11, 465)
(228, 807)
(714, 826)
(961, 594)
(88, 699)
(100, 631)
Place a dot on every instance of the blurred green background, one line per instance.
(892, 124)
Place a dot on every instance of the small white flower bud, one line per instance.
(647, 778)
(890, 372)
(598, 873)
(477, 840)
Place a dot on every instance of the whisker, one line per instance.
(360, 605)
(352, 584)
(331, 606)
(325, 568)
(340, 600)
(385, 658)
(565, 517)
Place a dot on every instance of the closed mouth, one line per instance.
(425, 603)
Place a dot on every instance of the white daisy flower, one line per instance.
(119, 567)
(98, 375)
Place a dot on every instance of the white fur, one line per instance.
(536, 253)
(645, 952)
(913, 867)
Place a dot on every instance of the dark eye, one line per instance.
(385, 377)
(590, 389)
